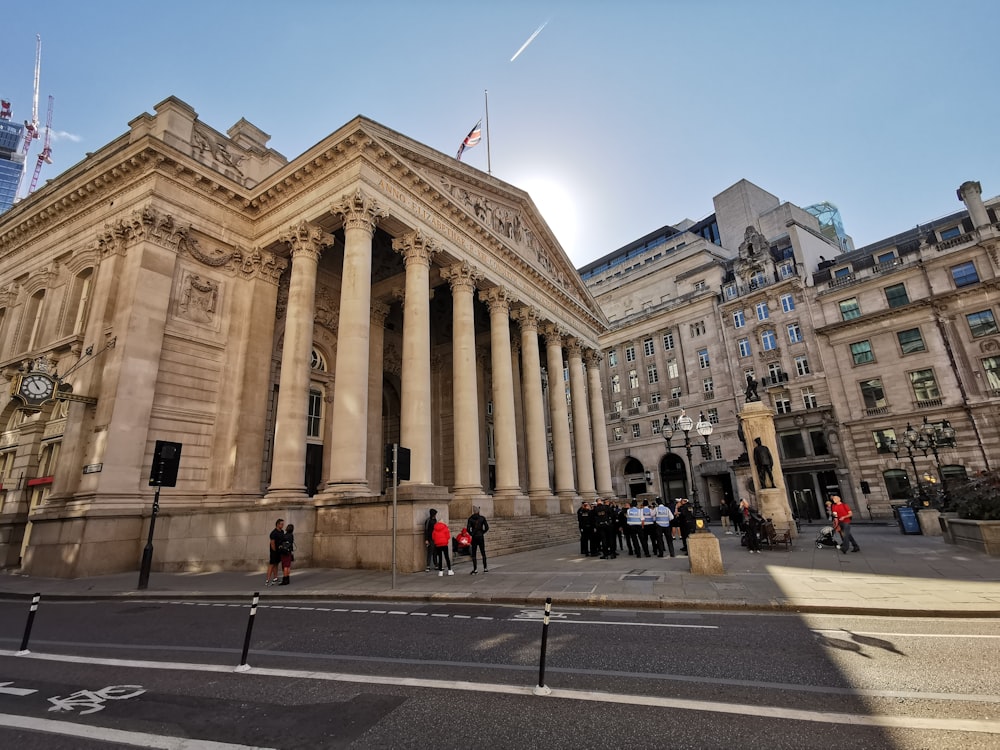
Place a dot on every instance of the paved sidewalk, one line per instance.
(892, 575)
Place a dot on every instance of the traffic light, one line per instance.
(402, 460)
(166, 461)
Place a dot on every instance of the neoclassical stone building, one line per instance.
(283, 321)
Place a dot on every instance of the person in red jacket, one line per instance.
(442, 538)
(842, 513)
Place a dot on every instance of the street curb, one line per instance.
(601, 602)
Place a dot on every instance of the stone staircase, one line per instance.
(509, 535)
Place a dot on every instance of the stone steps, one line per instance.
(510, 535)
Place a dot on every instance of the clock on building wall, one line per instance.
(34, 388)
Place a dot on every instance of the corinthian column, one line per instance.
(560, 419)
(288, 464)
(376, 356)
(539, 490)
(599, 430)
(507, 500)
(350, 402)
(468, 477)
(581, 422)
(415, 388)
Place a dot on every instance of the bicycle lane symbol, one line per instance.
(94, 700)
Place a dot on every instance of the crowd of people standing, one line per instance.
(609, 527)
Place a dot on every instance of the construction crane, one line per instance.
(45, 155)
(31, 128)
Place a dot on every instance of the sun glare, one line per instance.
(557, 208)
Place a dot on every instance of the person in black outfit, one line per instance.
(764, 462)
(604, 523)
(477, 526)
(684, 515)
(432, 518)
(274, 542)
(585, 522)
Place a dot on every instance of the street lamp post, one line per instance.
(684, 423)
(929, 437)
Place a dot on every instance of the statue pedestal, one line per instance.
(704, 554)
(773, 504)
(757, 422)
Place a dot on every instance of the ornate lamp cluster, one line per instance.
(929, 437)
(684, 424)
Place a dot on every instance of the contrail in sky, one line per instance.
(530, 40)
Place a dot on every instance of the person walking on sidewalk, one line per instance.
(432, 518)
(843, 514)
(274, 552)
(477, 526)
(442, 538)
(287, 548)
(725, 511)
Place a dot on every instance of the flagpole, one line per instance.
(489, 169)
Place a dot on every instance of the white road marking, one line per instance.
(103, 734)
(875, 633)
(758, 711)
(617, 623)
(15, 691)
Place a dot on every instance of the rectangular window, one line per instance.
(849, 309)
(633, 379)
(758, 280)
(654, 398)
(787, 303)
(883, 440)
(744, 346)
(668, 341)
(718, 452)
(616, 383)
(636, 402)
(794, 333)
(951, 233)
(707, 385)
(697, 329)
(699, 286)
(647, 347)
(896, 296)
(886, 257)
(613, 358)
(991, 366)
(809, 398)
(873, 394)
(785, 270)
(636, 430)
(703, 358)
(731, 291)
(818, 440)
(713, 416)
(672, 371)
(654, 427)
(792, 445)
(924, 385)
(910, 341)
(630, 354)
(768, 341)
(652, 375)
(762, 311)
(617, 406)
(802, 365)
(861, 352)
(783, 404)
(964, 274)
(774, 372)
(315, 414)
(739, 319)
(675, 393)
(982, 323)
(618, 434)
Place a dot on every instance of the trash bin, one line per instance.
(908, 521)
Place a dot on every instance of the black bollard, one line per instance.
(27, 627)
(244, 667)
(541, 689)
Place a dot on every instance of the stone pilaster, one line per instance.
(306, 242)
(348, 464)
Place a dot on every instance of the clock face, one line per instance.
(36, 387)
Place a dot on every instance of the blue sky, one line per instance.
(618, 118)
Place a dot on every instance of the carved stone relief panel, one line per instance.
(199, 299)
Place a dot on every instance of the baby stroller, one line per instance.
(826, 538)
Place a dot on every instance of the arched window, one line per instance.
(318, 361)
(897, 484)
(31, 323)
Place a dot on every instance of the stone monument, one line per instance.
(757, 422)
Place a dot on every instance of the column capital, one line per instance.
(528, 317)
(498, 298)
(415, 248)
(553, 334)
(462, 276)
(592, 358)
(306, 239)
(359, 211)
(574, 347)
(380, 311)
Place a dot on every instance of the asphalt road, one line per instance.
(336, 674)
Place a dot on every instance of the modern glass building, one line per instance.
(11, 162)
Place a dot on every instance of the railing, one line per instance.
(928, 403)
(633, 411)
(956, 241)
(673, 403)
(653, 407)
(708, 396)
(876, 411)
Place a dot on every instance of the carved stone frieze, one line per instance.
(392, 360)
(327, 313)
(754, 252)
(199, 299)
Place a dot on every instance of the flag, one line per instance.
(472, 139)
